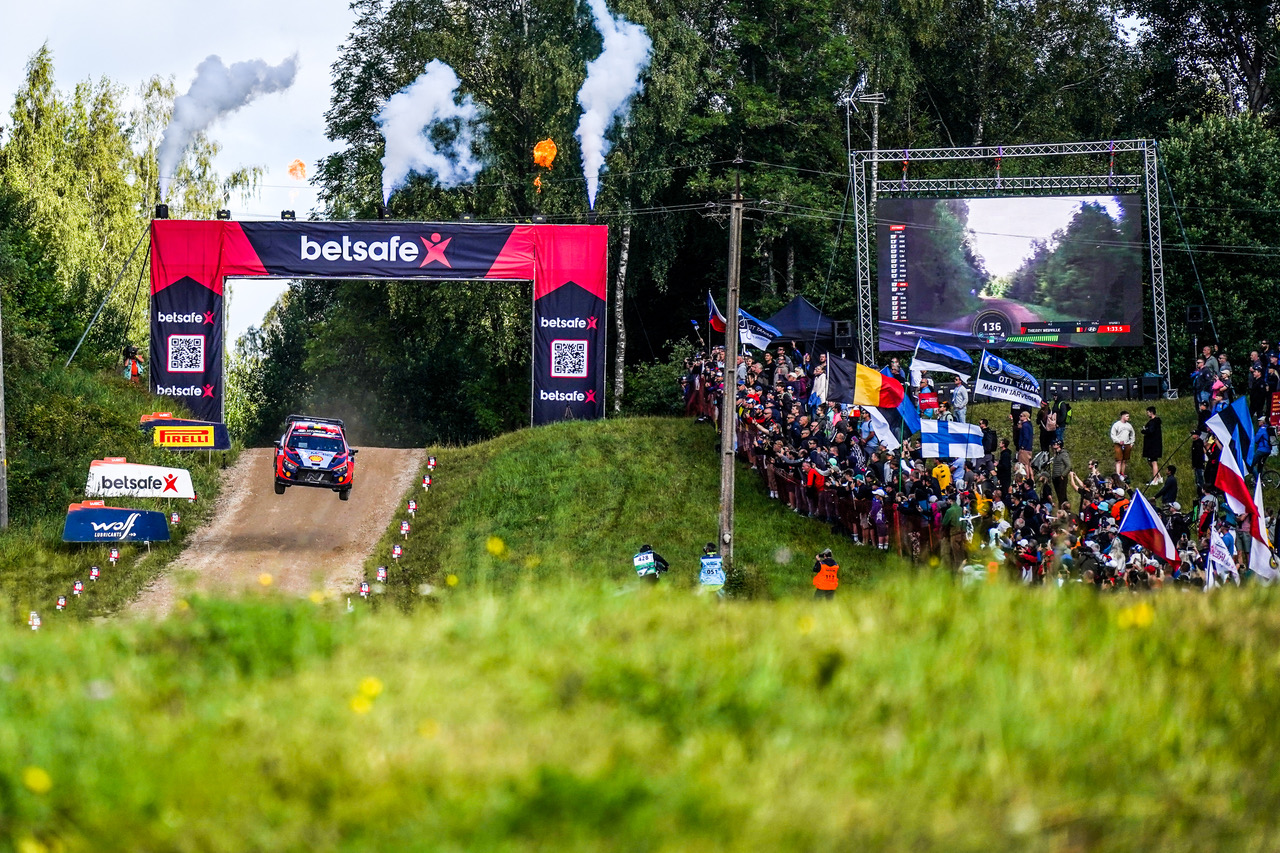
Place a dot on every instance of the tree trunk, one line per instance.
(620, 329)
(791, 268)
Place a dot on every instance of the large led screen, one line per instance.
(993, 273)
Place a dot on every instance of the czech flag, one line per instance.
(714, 318)
(1143, 525)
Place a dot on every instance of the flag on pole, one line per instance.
(1220, 562)
(1230, 477)
(1142, 524)
(1261, 551)
(941, 358)
(1004, 380)
(714, 318)
(755, 332)
(950, 440)
(1238, 422)
(893, 425)
(851, 382)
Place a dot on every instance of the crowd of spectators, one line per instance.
(1025, 508)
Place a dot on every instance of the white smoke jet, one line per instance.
(612, 78)
(216, 91)
(406, 121)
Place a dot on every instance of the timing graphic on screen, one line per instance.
(1045, 271)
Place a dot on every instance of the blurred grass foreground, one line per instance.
(908, 715)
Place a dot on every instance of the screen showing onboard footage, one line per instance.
(1031, 271)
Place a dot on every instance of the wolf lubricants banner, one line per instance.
(190, 261)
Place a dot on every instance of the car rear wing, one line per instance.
(310, 419)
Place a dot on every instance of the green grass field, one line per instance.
(579, 499)
(907, 714)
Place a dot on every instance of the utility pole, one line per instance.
(4, 453)
(728, 403)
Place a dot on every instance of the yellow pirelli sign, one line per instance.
(183, 436)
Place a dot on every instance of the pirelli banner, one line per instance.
(191, 261)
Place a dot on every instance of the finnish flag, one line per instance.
(950, 440)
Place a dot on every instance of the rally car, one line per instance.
(314, 452)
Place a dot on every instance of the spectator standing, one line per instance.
(960, 400)
(1261, 447)
(1168, 495)
(825, 575)
(1123, 437)
(1047, 421)
(1153, 444)
(1210, 362)
(1257, 391)
(1004, 466)
(1024, 435)
(1059, 470)
(1062, 409)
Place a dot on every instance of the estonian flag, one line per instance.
(941, 358)
(714, 318)
(1143, 525)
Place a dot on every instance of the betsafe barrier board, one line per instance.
(1014, 272)
(191, 260)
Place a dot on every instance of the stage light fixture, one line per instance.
(591, 217)
(288, 215)
(539, 219)
(224, 214)
(465, 217)
(162, 211)
(383, 212)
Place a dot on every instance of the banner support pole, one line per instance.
(728, 396)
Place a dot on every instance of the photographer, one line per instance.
(134, 364)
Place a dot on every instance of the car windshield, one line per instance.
(324, 443)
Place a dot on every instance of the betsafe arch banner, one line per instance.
(568, 264)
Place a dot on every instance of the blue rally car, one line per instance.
(314, 452)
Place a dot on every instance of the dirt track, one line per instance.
(306, 539)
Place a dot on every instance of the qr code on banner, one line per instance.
(569, 359)
(186, 353)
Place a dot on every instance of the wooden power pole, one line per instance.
(728, 403)
(4, 453)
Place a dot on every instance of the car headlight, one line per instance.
(340, 469)
(289, 466)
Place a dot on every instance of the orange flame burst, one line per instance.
(298, 170)
(544, 153)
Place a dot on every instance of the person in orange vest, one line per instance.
(824, 575)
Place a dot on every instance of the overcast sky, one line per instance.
(130, 40)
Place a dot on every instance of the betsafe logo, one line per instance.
(396, 248)
(567, 322)
(567, 396)
(202, 317)
(188, 391)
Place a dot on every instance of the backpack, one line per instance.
(1051, 421)
(1040, 460)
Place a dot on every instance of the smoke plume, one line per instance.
(216, 91)
(612, 78)
(427, 130)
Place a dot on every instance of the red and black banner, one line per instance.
(190, 260)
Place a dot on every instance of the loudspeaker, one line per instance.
(1060, 386)
(1195, 314)
(1115, 389)
(1086, 389)
(842, 334)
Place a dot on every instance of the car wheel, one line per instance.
(280, 487)
(344, 495)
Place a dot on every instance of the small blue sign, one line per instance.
(114, 524)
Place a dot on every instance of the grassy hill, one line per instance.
(575, 501)
(909, 714)
(60, 420)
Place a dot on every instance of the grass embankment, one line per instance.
(75, 418)
(579, 499)
(906, 715)
(1089, 437)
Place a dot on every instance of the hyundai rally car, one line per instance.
(314, 452)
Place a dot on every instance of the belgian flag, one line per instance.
(851, 382)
